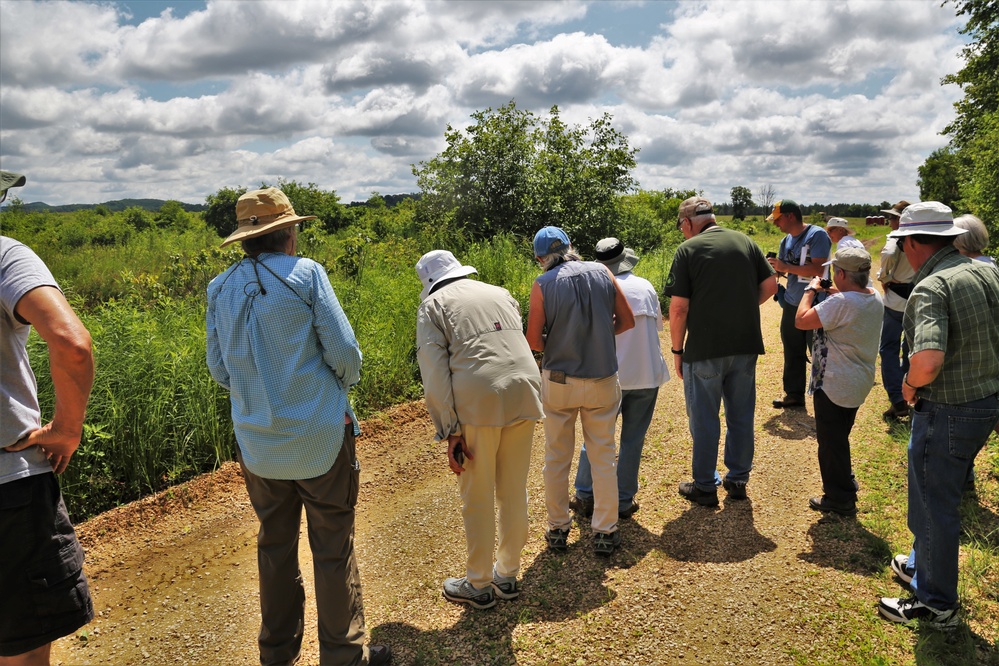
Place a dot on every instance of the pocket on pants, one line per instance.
(57, 585)
(968, 434)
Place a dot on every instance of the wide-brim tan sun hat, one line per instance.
(261, 212)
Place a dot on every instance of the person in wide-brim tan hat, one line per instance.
(262, 211)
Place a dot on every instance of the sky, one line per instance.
(824, 101)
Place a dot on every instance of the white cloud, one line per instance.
(828, 100)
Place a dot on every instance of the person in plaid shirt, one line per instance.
(951, 324)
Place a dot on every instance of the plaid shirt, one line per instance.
(955, 309)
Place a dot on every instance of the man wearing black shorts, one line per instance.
(45, 594)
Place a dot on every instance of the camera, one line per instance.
(825, 283)
(771, 255)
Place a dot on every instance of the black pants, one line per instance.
(832, 428)
(796, 343)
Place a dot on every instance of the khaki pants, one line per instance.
(329, 502)
(597, 402)
(502, 458)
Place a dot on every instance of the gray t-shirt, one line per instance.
(20, 271)
(845, 348)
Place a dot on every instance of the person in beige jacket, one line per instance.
(483, 392)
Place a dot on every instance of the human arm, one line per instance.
(536, 320)
(807, 317)
(624, 318)
(767, 289)
(340, 349)
(679, 307)
(71, 363)
(811, 268)
(924, 366)
(213, 349)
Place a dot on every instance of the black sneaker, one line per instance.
(631, 510)
(582, 505)
(605, 544)
(908, 610)
(898, 410)
(736, 489)
(826, 505)
(378, 655)
(694, 494)
(558, 540)
(900, 565)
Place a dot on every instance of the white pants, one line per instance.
(597, 402)
(499, 466)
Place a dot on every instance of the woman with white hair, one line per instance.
(973, 243)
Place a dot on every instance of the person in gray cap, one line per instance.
(847, 328)
(45, 592)
(717, 283)
(895, 276)
(483, 392)
(952, 326)
(641, 370)
(577, 307)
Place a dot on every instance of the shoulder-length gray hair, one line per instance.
(563, 254)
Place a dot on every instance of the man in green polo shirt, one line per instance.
(951, 324)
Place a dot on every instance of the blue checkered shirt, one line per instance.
(281, 344)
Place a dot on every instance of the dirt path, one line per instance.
(764, 581)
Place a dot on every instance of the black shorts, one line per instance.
(45, 594)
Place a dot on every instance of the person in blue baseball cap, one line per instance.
(577, 307)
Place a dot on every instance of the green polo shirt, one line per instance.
(955, 309)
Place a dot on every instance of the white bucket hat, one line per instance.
(438, 265)
(841, 223)
(927, 217)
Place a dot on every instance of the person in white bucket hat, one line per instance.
(951, 323)
(841, 233)
(483, 392)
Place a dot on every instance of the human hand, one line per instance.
(457, 443)
(57, 444)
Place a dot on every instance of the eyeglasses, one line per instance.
(679, 222)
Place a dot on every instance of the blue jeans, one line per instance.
(944, 442)
(637, 408)
(894, 352)
(705, 385)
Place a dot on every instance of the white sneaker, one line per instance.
(900, 565)
(911, 609)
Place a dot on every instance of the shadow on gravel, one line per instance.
(554, 587)
(702, 534)
(845, 544)
(795, 424)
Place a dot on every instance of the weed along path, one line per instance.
(763, 581)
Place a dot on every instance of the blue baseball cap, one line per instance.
(549, 239)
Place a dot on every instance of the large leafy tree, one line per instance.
(979, 78)
(742, 201)
(514, 171)
(975, 130)
(938, 177)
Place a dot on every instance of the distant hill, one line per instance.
(391, 200)
(118, 205)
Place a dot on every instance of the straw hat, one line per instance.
(262, 211)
